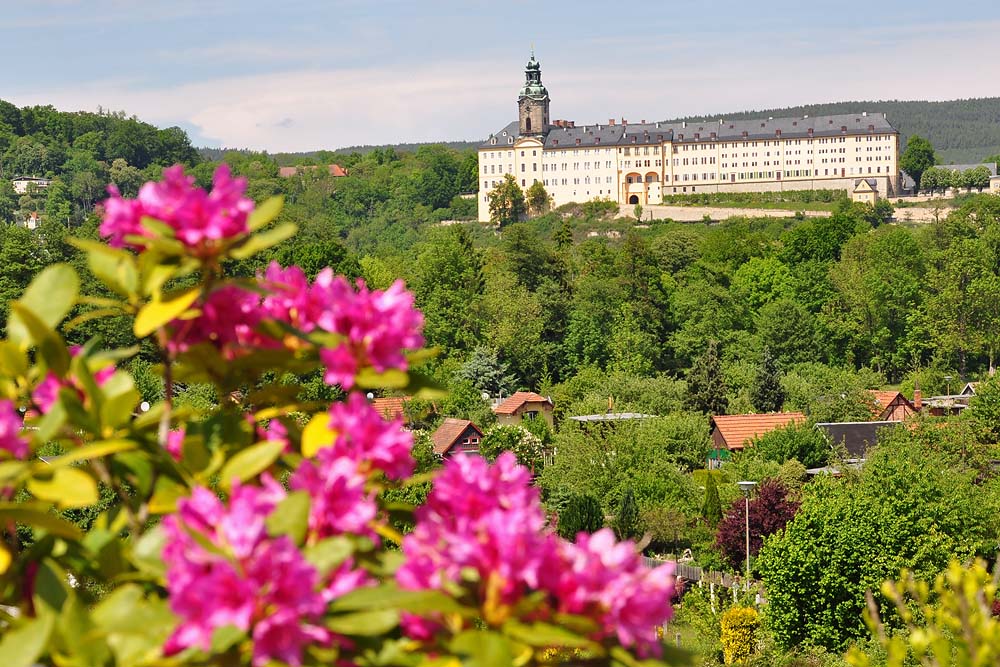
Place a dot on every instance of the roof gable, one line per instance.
(738, 430)
(449, 432)
(513, 402)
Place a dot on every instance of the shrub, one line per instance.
(739, 629)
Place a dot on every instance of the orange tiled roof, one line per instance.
(516, 400)
(883, 399)
(334, 169)
(738, 430)
(448, 432)
(391, 407)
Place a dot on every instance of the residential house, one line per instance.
(865, 191)
(732, 433)
(891, 406)
(392, 407)
(856, 438)
(23, 183)
(456, 436)
(523, 405)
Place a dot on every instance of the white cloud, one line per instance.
(469, 98)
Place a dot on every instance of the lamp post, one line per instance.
(746, 488)
(947, 379)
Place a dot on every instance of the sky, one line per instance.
(299, 75)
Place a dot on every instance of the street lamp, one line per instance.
(947, 379)
(746, 488)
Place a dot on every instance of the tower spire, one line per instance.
(533, 100)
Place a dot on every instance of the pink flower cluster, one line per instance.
(199, 219)
(365, 437)
(489, 519)
(47, 391)
(10, 431)
(262, 585)
(375, 326)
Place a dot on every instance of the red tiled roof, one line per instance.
(448, 433)
(334, 169)
(883, 399)
(738, 430)
(516, 400)
(391, 407)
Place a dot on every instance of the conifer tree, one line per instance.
(712, 509)
(705, 384)
(582, 513)
(768, 396)
(626, 523)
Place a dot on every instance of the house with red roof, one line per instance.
(523, 405)
(456, 436)
(287, 172)
(392, 407)
(733, 433)
(891, 406)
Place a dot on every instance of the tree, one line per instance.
(706, 385)
(767, 395)
(506, 202)
(770, 511)
(637, 212)
(626, 521)
(917, 158)
(580, 514)
(525, 445)
(711, 511)
(930, 179)
(537, 198)
(804, 443)
(487, 372)
(910, 507)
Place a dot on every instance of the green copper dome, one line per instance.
(533, 87)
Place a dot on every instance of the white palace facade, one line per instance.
(641, 163)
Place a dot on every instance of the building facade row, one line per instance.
(641, 163)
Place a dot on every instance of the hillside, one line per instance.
(962, 131)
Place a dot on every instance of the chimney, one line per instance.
(777, 133)
(642, 122)
(572, 123)
(624, 121)
(611, 121)
(918, 402)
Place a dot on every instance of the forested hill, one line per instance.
(962, 131)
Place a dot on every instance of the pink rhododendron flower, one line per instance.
(175, 444)
(228, 320)
(377, 326)
(288, 299)
(340, 503)
(606, 580)
(46, 392)
(363, 436)
(483, 517)
(198, 218)
(10, 431)
(264, 587)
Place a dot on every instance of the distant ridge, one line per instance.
(962, 131)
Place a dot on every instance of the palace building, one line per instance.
(641, 163)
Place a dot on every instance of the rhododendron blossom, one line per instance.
(340, 504)
(198, 218)
(607, 580)
(10, 431)
(229, 319)
(377, 326)
(362, 435)
(46, 393)
(264, 586)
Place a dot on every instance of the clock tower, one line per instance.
(533, 102)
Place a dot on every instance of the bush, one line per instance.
(581, 514)
(739, 629)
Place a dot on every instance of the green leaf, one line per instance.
(50, 297)
(364, 623)
(13, 360)
(424, 387)
(157, 313)
(264, 240)
(290, 517)
(483, 649)
(50, 423)
(135, 626)
(251, 461)
(120, 399)
(51, 347)
(24, 645)
(147, 552)
(114, 267)
(329, 553)
(265, 212)
(544, 634)
(391, 378)
(90, 315)
(85, 453)
(389, 596)
(39, 517)
(68, 488)
(166, 495)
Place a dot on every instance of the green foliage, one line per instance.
(803, 442)
(626, 520)
(537, 199)
(739, 627)
(579, 513)
(711, 511)
(909, 507)
(767, 394)
(917, 157)
(525, 445)
(506, 201)
(706, 386)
